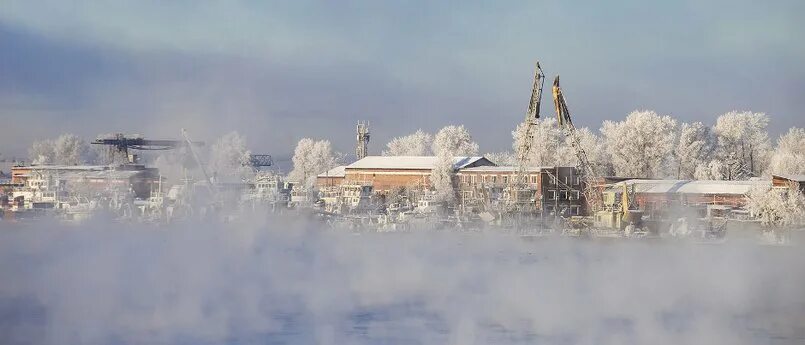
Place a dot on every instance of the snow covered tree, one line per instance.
(743, 143)
(311, 158)
(455, 140)
(642, 145)
(449, 142)
(42, 152)
(503, 158)
(229, 156)
(546, 138)
(778, 207)
(712, 170)
(593, 146)
(789, 156)
(67, 149)
(693, 149)
(414, 144)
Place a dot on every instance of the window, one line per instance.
(574, 195)
(549, 209)
(575, 180)
(574, 210)
(472, 179)
(505, 179)
(534, 179)
(563, 194)
(494, 178)
(551, 194)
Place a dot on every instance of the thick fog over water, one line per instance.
(283, 281)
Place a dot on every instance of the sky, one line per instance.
(280, 71)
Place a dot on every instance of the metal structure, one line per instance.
(259, 161)
(362, 148)
(123, 143)
(519, 193)
(589, 178)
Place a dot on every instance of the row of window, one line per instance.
(494, 178)
(566, 180)
(573, 210)
(563, 194)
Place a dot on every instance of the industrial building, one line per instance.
(386, 173)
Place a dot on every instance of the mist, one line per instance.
(290, 281)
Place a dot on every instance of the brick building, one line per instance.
(386, 173)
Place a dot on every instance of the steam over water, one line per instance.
(275, 281)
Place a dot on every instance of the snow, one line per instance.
(504, 169)
(713, 187)
(339, 171)
(409, 162)
(792, 177)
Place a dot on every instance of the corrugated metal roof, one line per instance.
(408, 162)
(691, 187)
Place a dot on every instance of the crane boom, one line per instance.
(589, 176)
(520, 185)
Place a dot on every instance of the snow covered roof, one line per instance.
(67, 167)
(413, 162)
(691, 187)
(339, 171)
(507, 168)
(793, 177)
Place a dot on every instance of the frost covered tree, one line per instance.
(415, 144)
(449, 142)
(694, 149)
(310, 158)
(504, 158)
(42, 152)
(642, 145)
(743, 143)
(593, 146)
(455, 140)
(712, 170)
(546, 138)
(789, 156)
(67, 149)
(777, 207)
(229, 155)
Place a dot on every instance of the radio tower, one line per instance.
(362, 149)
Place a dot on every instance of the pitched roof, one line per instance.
(791, 177)
(413, 162)
(507, 168)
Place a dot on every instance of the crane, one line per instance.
(122, 143)
(589, 178)
(524, 149)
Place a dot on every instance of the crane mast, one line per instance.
(520, 195)
(589, 178)
(531, 117)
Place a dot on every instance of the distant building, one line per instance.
(88, 178)
(786, 180)
(331, 178)
(553, 190)
(655, 197)
(386, 173)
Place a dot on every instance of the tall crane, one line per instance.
(589, 178)
(520, 188)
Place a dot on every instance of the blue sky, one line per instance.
(280, 71)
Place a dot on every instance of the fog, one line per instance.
(288, 281)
